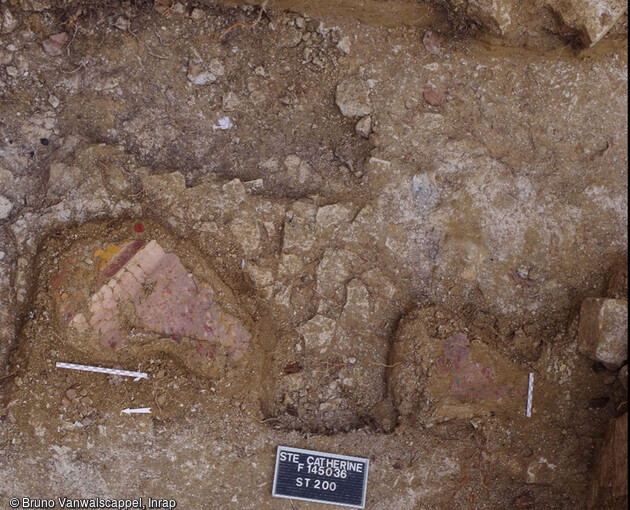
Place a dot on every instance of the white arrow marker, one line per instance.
(139, 410)
(112, 371)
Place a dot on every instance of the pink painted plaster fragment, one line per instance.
(167, 300)
(470, 380)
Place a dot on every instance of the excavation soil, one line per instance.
(482, 197)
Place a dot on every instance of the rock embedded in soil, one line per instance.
(344, 45)
(198, 75)
(198, 14)
(289, 37)
(216, 68)
(8, 22)
(178, 8)
(364, 127)
(6, 206)
(592, 19)
(53, 101)
(53, 46)
(603, 332)
(299, 172)
(353, 97)
(494, 14)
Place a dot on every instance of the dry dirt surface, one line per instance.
(313, 232)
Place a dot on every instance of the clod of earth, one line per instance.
(292, 368)
(433, 96)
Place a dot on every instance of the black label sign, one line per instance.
(320, 477)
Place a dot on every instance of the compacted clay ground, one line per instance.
(308, 232)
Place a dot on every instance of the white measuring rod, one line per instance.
(111, 371)
(530, 395)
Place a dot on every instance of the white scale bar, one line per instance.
(530, 394)
(112, 371)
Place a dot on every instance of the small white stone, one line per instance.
(12, 71)
(199, 76)
(255, 185)
(5, 207)
(53, 100)
(198, 14)
(178, 8)
(223, 124)
(344, 45)
(364, 127)
(216, 68)
(322, 29)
